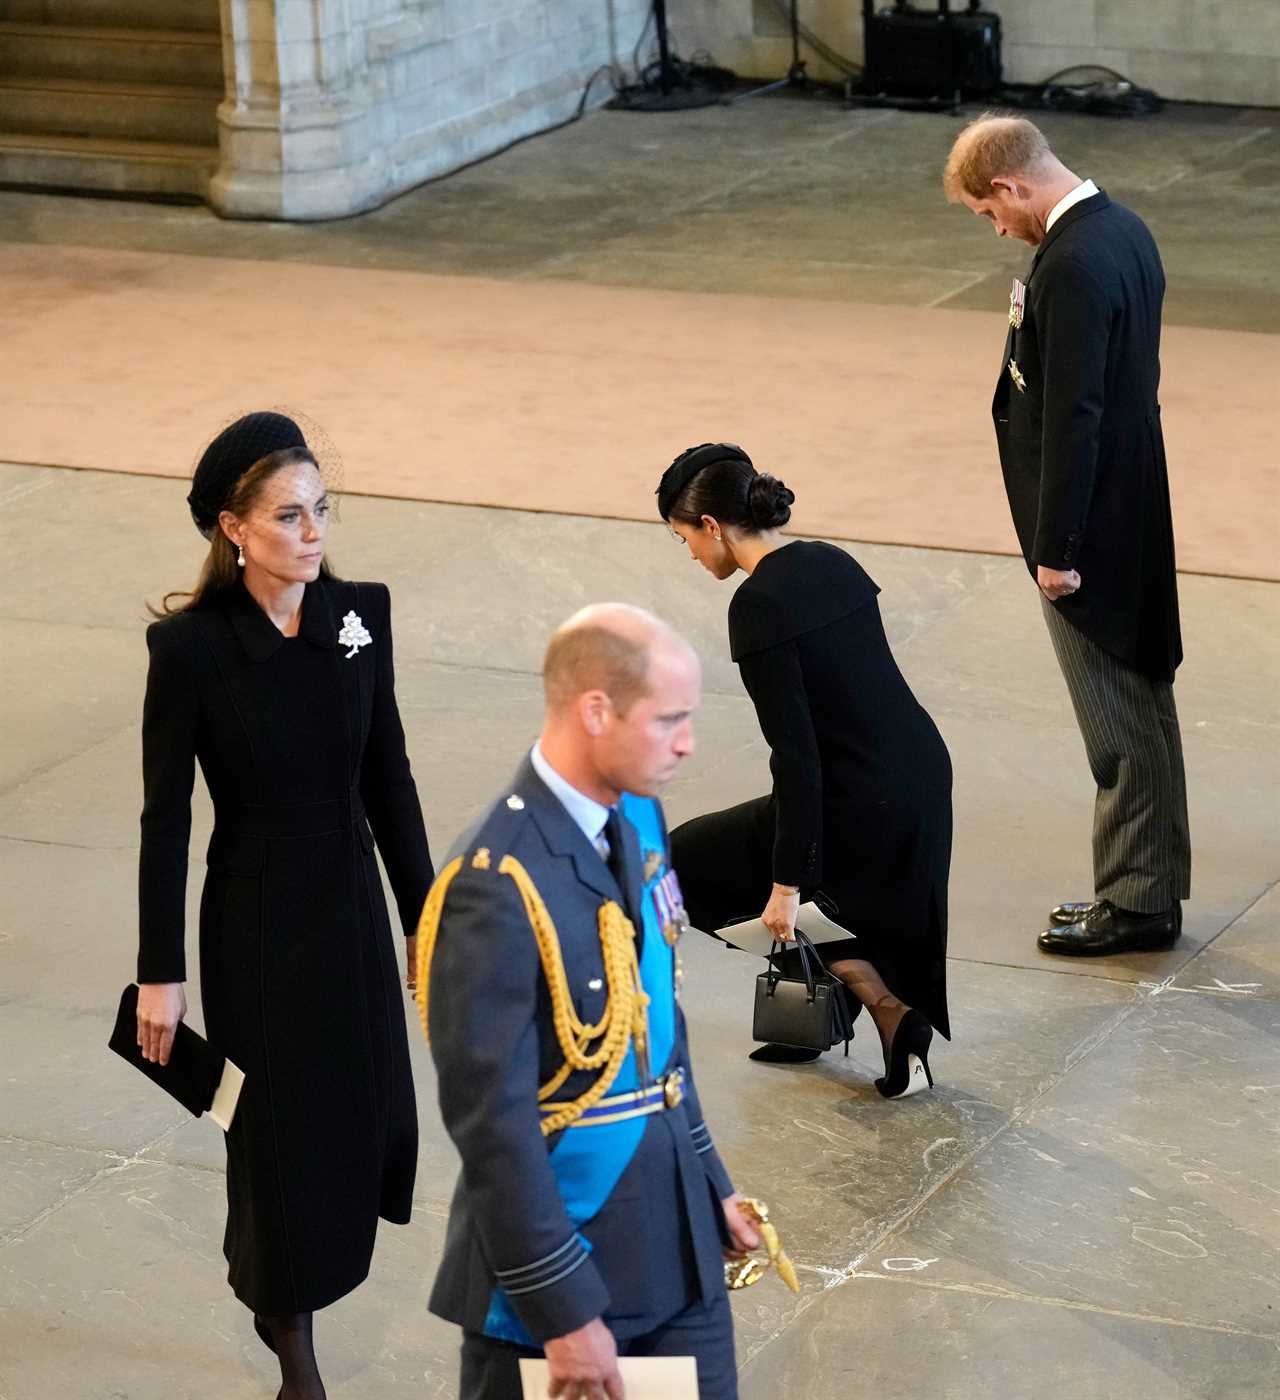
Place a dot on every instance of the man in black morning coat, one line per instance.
(1077, 422)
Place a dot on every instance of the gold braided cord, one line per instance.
(625, 1015)
(428, 927)
(625, 1009)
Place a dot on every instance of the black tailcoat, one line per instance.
(302, 750)
(1081, 445)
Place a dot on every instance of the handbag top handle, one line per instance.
(808, 956)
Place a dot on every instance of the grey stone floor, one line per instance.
(1086, 1208)
(777, 196)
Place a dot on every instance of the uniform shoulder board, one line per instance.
(496, 834)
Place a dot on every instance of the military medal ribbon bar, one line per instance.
(668, 904)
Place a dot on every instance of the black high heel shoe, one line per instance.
(908, 1067)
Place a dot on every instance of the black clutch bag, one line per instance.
(194, 1070)
(809, 1011)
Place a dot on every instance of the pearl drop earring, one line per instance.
(240, 557)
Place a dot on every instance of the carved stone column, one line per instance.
(297, 126)
(334, 106)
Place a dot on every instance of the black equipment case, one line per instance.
(938, 53)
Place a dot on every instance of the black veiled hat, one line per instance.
(688, 464)
(230, 455)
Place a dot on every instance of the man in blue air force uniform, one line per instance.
(593, 1214)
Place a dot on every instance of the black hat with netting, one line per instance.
(237, 448)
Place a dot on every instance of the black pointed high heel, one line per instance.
(908, 1068)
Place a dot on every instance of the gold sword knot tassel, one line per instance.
(742, 1273)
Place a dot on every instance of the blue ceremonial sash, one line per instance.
(658, 957)
(589, 1161)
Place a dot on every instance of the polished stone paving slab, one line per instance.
(1244, 961)
(1142, 1183)
(40, 1178)
(898, 1339)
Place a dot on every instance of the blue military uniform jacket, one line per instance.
(617, 1215)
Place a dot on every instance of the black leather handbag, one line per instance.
(809, 1011)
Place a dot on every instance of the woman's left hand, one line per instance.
(781, 911)
(411, 962)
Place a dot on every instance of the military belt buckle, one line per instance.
(673, 1089)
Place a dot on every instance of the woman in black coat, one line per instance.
(860, 811)
(277, 677)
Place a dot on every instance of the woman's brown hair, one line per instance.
(220, 572)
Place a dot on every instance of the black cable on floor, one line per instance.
(1111, 95)
(819, 45)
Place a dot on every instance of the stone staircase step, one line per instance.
(86, 107)
(106, 166)
(180, 57)
(116, 14)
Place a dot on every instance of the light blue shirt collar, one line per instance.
(587, 814)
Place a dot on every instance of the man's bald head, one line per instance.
(621, 688)
(607, 647)
(994, 147)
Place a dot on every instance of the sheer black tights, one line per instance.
(867, 985)
(289, 1336)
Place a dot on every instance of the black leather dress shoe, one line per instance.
(1106, 929)
(1070, 912)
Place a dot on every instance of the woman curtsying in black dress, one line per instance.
(860, 811)
(277, 678)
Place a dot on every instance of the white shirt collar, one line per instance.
(587, 814)
(1085, 190)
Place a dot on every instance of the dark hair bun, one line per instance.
(768, 502)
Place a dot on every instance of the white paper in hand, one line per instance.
(753, 937)
(645, 1377)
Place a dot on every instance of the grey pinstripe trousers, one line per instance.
(1141, 838)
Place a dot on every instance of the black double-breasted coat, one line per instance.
(301, 746)
(1077, 420)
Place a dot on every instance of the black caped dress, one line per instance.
(860, 811)
(303, 752)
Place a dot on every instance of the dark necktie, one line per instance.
(615, 860)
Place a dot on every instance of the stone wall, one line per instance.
(335, 106)
(1194, 50)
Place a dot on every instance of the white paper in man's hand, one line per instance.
(753, 937)
(645, 1377)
